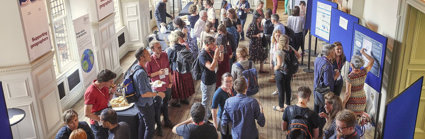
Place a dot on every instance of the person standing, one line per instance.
(241, 111)
(224, 40)
(277, 25)
(256, 47)
(193, 17)
(236, 22)
(195, 127)
(199, 26)
(117, 130)
(243, 8)
(96, 99)
(209, 58)
(144, 93)
(339, 62)
(345, 126)
(230, 29)
(211, 13)
(259, 9)
(296, 23)
(182, 87)
(242, 55)
(220, 96)
(159, 69)
(161, 13)
(275, 3)
(70, 118)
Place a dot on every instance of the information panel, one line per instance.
(6, 132)
(342, 27)
(375, 45)
(402, 112)
(321, 19)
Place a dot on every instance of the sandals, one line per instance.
(277, 109)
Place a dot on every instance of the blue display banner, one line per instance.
(308, 15)
(401, 113)
(6, 132)
(342, 27)
(321, 19)
(375, 45)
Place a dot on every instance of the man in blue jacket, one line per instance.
(161, 13)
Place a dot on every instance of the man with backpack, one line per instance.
(299, 120)
(209, 58)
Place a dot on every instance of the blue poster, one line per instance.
(6, 132)
(342, 30)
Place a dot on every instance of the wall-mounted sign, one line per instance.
(34, 18)
(104, 8)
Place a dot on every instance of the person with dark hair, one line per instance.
(109, 120)
(303, 8)
(209, 58)
(256, 47)
(159, 69)
(259, 10)
(296, 23)
(193, 17)
(211, 13)
(70, 119)
(195, 127)
(268, 28)
(339, 61)
(345, 125)
(96, 98)
(182, 87)
(294, 113)
(225, 40)
(161, 13)
(241, 111)
(208, 31)
(220, 96)
(236, 22)
(243, 8)
(223, 10)
(180, 25)
(144, 93)
(234, 32)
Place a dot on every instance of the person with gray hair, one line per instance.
(199, 25)
(355, 97)
(182, 87)
(277, 24)
(324, 79)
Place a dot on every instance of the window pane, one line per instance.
(58, 8)
(61, 37)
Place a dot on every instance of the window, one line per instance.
(60, 25)
(117, 18)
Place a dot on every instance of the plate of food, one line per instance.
(120, 104)
(157, 83)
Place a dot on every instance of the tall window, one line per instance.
(117, 18)
(59, 23)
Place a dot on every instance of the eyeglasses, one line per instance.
(341, 128)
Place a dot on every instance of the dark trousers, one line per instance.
(161, 107)
(147, 122)
(338, 86)
(98, 131)
(283, 83)
(243, 25)
(298, 41)
(322, 121)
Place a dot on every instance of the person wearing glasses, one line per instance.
(220, 96)
(345, 125)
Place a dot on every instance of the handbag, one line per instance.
(320, 89)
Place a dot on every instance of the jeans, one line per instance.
(283, 83)
(207, 96)
(243, 25)
(99, 132)
(147, 122)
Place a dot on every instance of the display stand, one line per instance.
(308, 70)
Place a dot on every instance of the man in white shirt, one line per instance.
(211, 12)
(199, 25)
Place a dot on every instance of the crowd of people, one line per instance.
(228, 80)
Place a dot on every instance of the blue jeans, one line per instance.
(207, 96)
(98, 131)
(147, 122)
(283, 83)
(243, 25)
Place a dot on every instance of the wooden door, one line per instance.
(412, 62)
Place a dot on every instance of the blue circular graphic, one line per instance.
(87, 60)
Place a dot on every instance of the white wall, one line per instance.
(382, 13)
(79, 8)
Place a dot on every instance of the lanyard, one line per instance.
(157, 62)
(209, 54)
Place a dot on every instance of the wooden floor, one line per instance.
(272, 128)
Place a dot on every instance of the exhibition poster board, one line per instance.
(342, 27)
(104, 8)
(375, 45)
(4, 118)
(308, 13)
(36, 28)
(401, 113)
(85, 48)
(321, 18)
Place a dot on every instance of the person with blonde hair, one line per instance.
(273, 48)
(333, 105)
(182, 87)
(78, 134)
(242, 56)
(283, 79)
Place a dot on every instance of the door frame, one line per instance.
(394, 88)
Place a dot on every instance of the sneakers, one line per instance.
(275, 93)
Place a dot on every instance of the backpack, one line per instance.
(268, 27)
(196, 69)
(251, 76)
(129, 87)
(298, 125)
(291, 62)
(184, 61)
(291, 34)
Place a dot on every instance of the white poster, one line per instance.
(343, 23)
(104, 8)
(323, 20)
(85, 48)
(34, 18)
